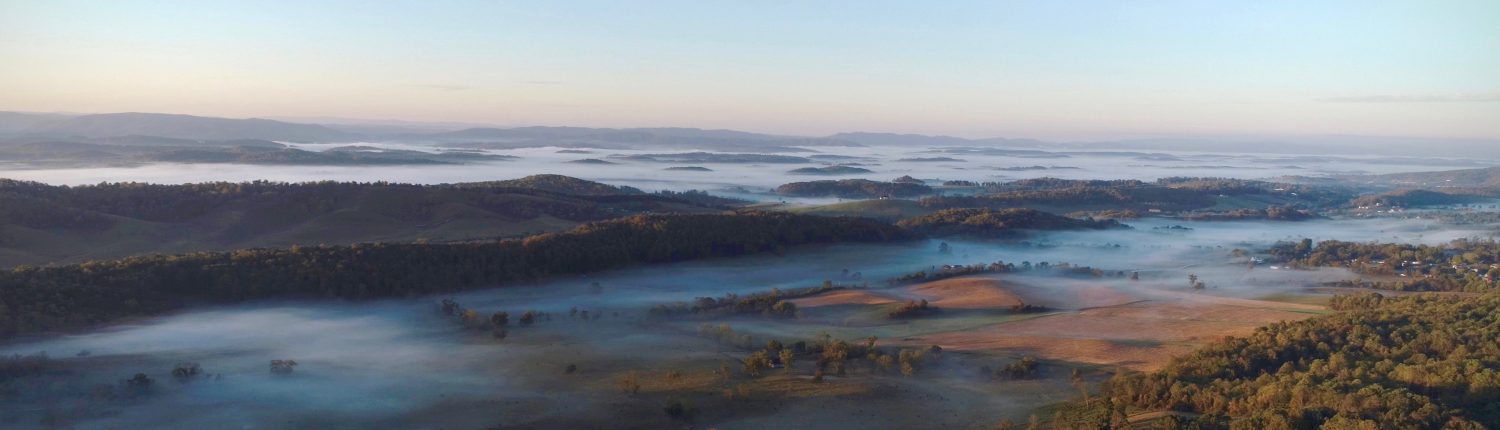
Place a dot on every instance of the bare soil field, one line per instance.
(1143, 333)
(843, 297)
(965, 293)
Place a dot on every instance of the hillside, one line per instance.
(710, 157)
(188, 127)
(1002, 223)
(15, 122)
(1410, 198)
(1083, 198)
(42, 224)
(890, 210)
(659, 138)
(565, 185)
(830, 170)
(1165, 194)
(853, 189)
(135, 150)
(1464, 178)
(1422, 361)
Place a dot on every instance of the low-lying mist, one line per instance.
(752, 180)
(402, 363)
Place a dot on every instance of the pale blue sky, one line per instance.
(1051, 69)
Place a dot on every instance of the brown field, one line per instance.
(1068, 293)
(1139, 326)
(965, 293)
(843, 297)
(1141, 330)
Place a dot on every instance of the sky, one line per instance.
(1041, 69)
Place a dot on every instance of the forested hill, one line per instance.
(565, 185)
(42, 224)
(997, 223)
(853, 189)
(1416, 362)
(1166, 194)
(51, 298)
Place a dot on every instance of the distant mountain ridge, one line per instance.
(110, 125)
(188, 127)
(1476, 178)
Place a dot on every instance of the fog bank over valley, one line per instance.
(306, 276)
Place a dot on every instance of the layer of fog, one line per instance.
(754, 180)
(365, 364)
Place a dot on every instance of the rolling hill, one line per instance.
(43, 224)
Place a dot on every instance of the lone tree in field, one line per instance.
(1197, 285)
(885, 362)
(757, 362)
(140, 383)
(470, 318)
(500, 319)
(909, 360)
(185, 372)
(528, 318)
(283, 367)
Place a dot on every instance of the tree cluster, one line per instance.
(1415, 362)
(1462, 265)
(997, 223)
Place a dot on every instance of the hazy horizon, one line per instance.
(442, 126)
(481, 214)
(1073, 72)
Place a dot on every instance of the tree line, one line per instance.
(34, 299)
(41, 205)
(1167, 194)
(853, 189)
(998, 223)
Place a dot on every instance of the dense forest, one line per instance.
(997, 223)
(563, 184)
(1461, 265)
(1166, 194)
(1082, 198)
(1415, 362)
(32, 203)
(36, 299)
(1410, 198)
(853, 189)
(42, 223)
